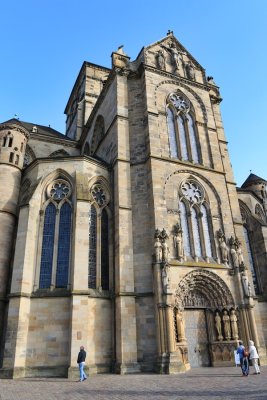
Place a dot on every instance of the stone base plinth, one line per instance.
(170, 364)
(222, 353)
(27, 372)
(127, 368)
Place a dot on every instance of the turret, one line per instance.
(13, 140)
(258, 186)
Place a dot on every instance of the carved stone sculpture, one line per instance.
(218, 325)
(165, 279)
(246, 284)
(176, 55)
(158, 250)
(227, 327)
(165, 251)
(223, 246)
(161, 60)
(233, 320)
(239, 253)
(180, 326)
(234, 256)
(178, 242)
(190, 71)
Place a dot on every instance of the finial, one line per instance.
(16, 116)
(169, 33)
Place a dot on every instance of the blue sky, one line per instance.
(44, 43)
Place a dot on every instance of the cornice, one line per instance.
(44, 138)
(82, 158)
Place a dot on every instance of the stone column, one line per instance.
(125, 308)
(80, 324)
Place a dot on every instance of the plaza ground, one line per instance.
(199, 383)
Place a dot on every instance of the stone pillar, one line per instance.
(125, 308)
(79, 327)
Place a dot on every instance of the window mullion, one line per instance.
(179, 150)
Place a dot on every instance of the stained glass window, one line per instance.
(196, 236)
(184, 223)
(206, 231)
(182, 136)
(192, 137)
(92, 248)
(172, 134)
(63, 254)
(47, 246)
(104, 251)
(251, 262)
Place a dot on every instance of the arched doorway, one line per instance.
(200, 298)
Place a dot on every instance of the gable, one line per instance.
(169, 55)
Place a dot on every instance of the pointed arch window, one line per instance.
(251, 261)
(185, 229)
(56, 224)
(198, 238)
(196, 233)
(183, 136)
(99, 231)
(206, 230)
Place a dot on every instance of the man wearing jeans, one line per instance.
(240, 351)
(81, 363)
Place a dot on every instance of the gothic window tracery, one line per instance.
(98, 261)
(195, 220)
(56, 222)
(183, 138)
(259, 212)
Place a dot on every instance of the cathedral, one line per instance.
(127, 234)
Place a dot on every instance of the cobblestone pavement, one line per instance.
(199, 383)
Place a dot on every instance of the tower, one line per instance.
(13, 140)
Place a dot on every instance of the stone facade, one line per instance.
(127, 235)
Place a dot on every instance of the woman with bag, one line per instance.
(254, 356)
(245, 368)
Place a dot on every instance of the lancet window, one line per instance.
(56, 223)
(251, 261)
(182, 130)
(195, 218)
(98, 256)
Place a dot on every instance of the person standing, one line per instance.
(240, 351)
(81, 362)
(254, 356)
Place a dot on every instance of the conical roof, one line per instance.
(252, 179)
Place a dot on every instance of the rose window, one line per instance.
(59, 190)
(192, 192)
(99, 195)
(179, 102)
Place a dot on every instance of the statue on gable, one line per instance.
(178, 242)
(161, 60)
(190, 71)
(176, 55)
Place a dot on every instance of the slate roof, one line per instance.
(252, 178)
(41, 129)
